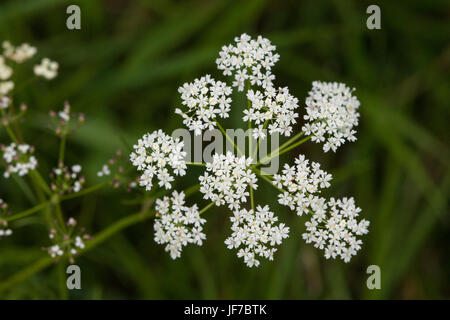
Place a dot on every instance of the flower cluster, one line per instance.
(153, 153)
(205, 99)
(19, 159)
(332, 112)
(248, 59)
(68, 241)
(226, 180)
(20, 53)
(104, 171)
(64, 121)
(331, 116)
(47, 69)
(114, 169)
(257, 233)
(177, 225)
(4, 230)
(336, 233)
(277, 107)
(65, 180)
(300, 183)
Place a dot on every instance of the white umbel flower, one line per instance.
(275, 106)
(301, 183)
(226, 180)
(18, 54)
(19, 159)
(153, 154)
(248, 59)
(177, 225)
(332, 112)
(47, 69)
(335, 233)
(255, 234)
(205, 99)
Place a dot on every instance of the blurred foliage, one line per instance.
(123, 69)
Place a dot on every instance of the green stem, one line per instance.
(206, 208)
(197, 164)
(11, 134)
(45, 204)
(294, 145)
(284, 145)
(84, 191)
(63, 292)
(28, 212)
(62, 148)
(229, 139)
(252, 201)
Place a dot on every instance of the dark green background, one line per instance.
(123, 68)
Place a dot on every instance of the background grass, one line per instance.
(123, 68)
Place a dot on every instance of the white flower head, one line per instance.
(332, 112)
(255, 234)
(205, 99)
(19, 159)
(18, 54)
(153, 154)
(277, 107)
(47, 69)
(177, 225)
(301, 184)
(226, 180)
(335, 233)
(248, 59)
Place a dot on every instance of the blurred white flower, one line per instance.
(104, 171)
(18, 54)
(4, 102)
(177, 225)
(47, 69)
(332, 113)
(5, 71)
(6, 87)
(153, 154)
